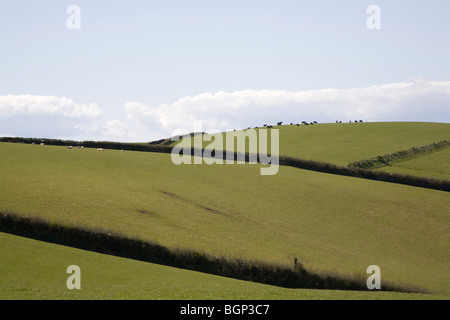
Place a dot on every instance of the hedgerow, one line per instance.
(115, 244)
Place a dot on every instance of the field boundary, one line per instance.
(115, 244)
(312, 165)
(378, 175)
(399, 156)
(146, 147)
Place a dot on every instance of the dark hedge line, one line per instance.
(423, 182)
(387, 159)
(115, 244)
(93, 144)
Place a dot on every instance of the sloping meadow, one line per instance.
(343, 143)
(330, 223)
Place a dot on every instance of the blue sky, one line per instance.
(141, 70)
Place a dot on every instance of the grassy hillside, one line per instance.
(347, 142)
(331, 223)
(344, 143)
(436, 165)
(32, 269)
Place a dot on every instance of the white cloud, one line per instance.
(89, 128)
(31, 105)
(114, 129)
(55, 117)
(406, 101)
(111, 130)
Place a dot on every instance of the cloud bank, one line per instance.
(13, 105)
(406, 101)
(53, 117)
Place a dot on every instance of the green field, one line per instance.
(435, 165)
(331, 223)
(32, 269)
(343, 143)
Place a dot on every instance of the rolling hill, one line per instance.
(330, 223)
(36, 270)
(435, 165)
(344, 143)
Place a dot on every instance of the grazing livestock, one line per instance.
(298, 125)
(314, 121)
(100, 149)
(42, 144)
(279, 123)
(360, 121)
(69, 147)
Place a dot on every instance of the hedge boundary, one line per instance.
(399, 156)
(324, 167)
(118, 245)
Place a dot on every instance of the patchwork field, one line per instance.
(343, 143)
(32, 269)
(330, 223)
(435, 165)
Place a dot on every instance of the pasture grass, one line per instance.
(330, 223)
(344, 143)
(435, 165)
(35, 270)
